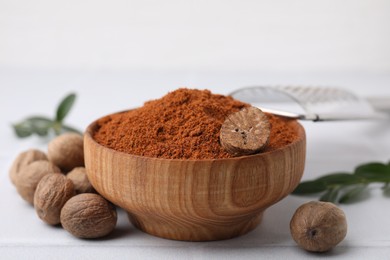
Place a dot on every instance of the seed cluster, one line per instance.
(57, 186)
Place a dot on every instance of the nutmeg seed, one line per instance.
(88, 215)
(66, 151)
(318, 226)
(30, 175)
(23, 159)
(52, 192)
(80, 180)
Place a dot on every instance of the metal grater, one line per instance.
(309, 103)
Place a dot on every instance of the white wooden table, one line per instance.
(332, 146)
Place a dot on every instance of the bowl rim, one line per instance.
(90, 129)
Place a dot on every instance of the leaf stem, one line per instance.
(71, 129)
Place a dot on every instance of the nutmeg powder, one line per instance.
(184, 124)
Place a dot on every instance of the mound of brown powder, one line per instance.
(184, 124)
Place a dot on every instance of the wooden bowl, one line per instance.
(195, 200)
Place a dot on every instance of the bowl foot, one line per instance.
(188, 230)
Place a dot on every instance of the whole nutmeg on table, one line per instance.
(23, 159)
(52, 192)
(66, 151)
(318, 226)
(30, 175)
(80, 180)
(88, 215)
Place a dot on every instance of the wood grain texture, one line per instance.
(195, 200)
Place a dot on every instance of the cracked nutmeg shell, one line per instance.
(245, 132)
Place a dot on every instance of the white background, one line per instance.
(118, 54)
(271, 35)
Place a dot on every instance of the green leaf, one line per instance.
(22, 130)
(331, 195)
(309, 187)
(39, 119)
(352, 194)
(40, 125)
(33, 125)
(339, 179)
(65, 106)
(351, 184)
(41, 131)
(374, 172)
